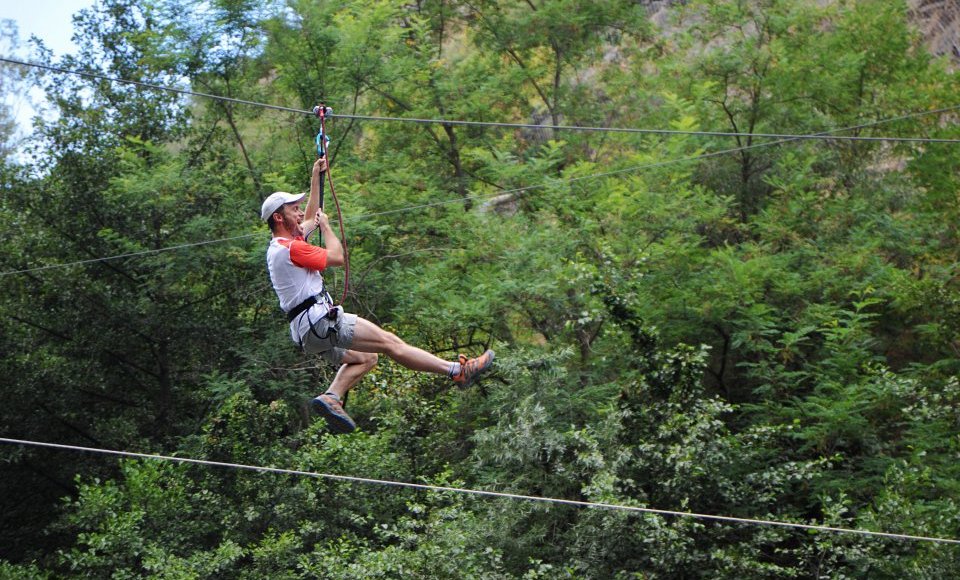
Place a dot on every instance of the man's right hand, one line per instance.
(320, 165)
(321, 221)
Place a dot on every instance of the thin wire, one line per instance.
(658, 164)
(644, 131)
(467, 491)
(391, 211)
(358, 217)
(151, 86)
(632, 169)
(452, 122)
(520, 189)
(128, 255)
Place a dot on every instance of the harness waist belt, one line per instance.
(303, 306)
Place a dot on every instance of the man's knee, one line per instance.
(370, 360)
(359, 359)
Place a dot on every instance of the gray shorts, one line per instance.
(331, 338)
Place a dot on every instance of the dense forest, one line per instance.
(711, 316)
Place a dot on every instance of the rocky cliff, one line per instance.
(939, 20)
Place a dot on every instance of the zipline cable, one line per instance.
(506, 192)
(666, 162)
(452, 122)
(467, 491)
(690, 132)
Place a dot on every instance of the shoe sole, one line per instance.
(477, 374)
(337, 423)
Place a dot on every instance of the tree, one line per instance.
(11, 89)
(768, 338)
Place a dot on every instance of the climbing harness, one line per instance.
(322, 142)
(333, 315)
(323, 297)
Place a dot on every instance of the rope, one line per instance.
(343, 239)
(452, 122)
(485, 493)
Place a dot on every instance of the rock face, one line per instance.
(939, 20)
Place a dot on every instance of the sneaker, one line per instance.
(328, 405)
(470, 369)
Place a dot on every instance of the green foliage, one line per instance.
(769, 333)
(31, 571)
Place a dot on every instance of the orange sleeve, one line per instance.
(308, 256)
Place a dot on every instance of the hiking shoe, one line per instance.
(470, 369)
(328, 405)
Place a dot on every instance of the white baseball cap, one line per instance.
(275, 200)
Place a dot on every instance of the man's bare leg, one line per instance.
(355, 365)
(370, 338)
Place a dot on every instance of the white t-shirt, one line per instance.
(295, 267)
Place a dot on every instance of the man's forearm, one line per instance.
(313, 202)
(335, 255)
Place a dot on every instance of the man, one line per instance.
(321, 328)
